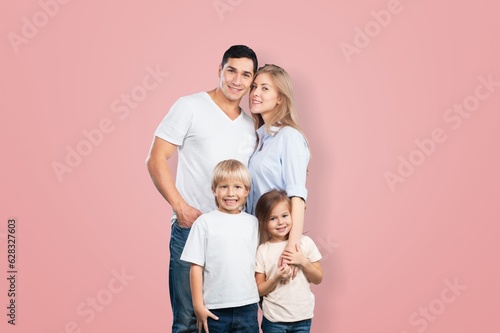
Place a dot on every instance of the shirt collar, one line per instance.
(272, 130)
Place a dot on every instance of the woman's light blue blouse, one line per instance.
(279, 162)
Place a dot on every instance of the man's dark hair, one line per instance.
(240, 51)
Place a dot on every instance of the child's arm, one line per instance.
(266, 286)
(312, 270)
(201, 312)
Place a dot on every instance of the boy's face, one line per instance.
(236, 77)
(231, 195)
(280, 222)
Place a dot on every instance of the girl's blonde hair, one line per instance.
(267, 202)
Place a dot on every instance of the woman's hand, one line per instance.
(294, 257)
(290, 247)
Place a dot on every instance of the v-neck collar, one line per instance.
(222, 111)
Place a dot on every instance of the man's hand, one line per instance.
(186, 215)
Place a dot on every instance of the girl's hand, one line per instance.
(284, 273)
(294, 257)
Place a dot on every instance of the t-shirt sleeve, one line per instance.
(194, 250)
(295, 159)
(175, 126)
(259, 260)
(312, 251)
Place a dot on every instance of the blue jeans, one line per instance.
(302, 326)
(241, 319)
(184, 319)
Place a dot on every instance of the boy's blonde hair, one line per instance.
(230, 169)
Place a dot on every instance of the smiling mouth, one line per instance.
(235, 89)
(230, 202)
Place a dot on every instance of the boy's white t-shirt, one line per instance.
(205, 135)
(294, 300)
(225, 245)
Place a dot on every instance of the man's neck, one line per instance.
(230, 108)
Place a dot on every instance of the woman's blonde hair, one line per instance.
(285, 113)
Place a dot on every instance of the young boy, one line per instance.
(221, 248)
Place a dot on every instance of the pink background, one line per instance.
(390, 255)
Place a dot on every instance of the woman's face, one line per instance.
(264, 96)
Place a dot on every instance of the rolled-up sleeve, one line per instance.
(295, 158)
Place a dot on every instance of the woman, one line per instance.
(281, 156)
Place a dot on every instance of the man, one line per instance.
(204, 128)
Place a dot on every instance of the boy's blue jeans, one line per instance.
(241, 319)
(303, 326)
(184, 319)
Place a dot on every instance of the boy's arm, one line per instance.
(196, 282)
(161, 175)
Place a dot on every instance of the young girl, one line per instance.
(287, 307)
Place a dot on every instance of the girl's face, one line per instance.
(280, 222)
(264, 96)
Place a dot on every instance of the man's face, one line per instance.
(236, 78)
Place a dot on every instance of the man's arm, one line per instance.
(161, 175)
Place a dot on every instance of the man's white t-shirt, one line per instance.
(205, 135)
